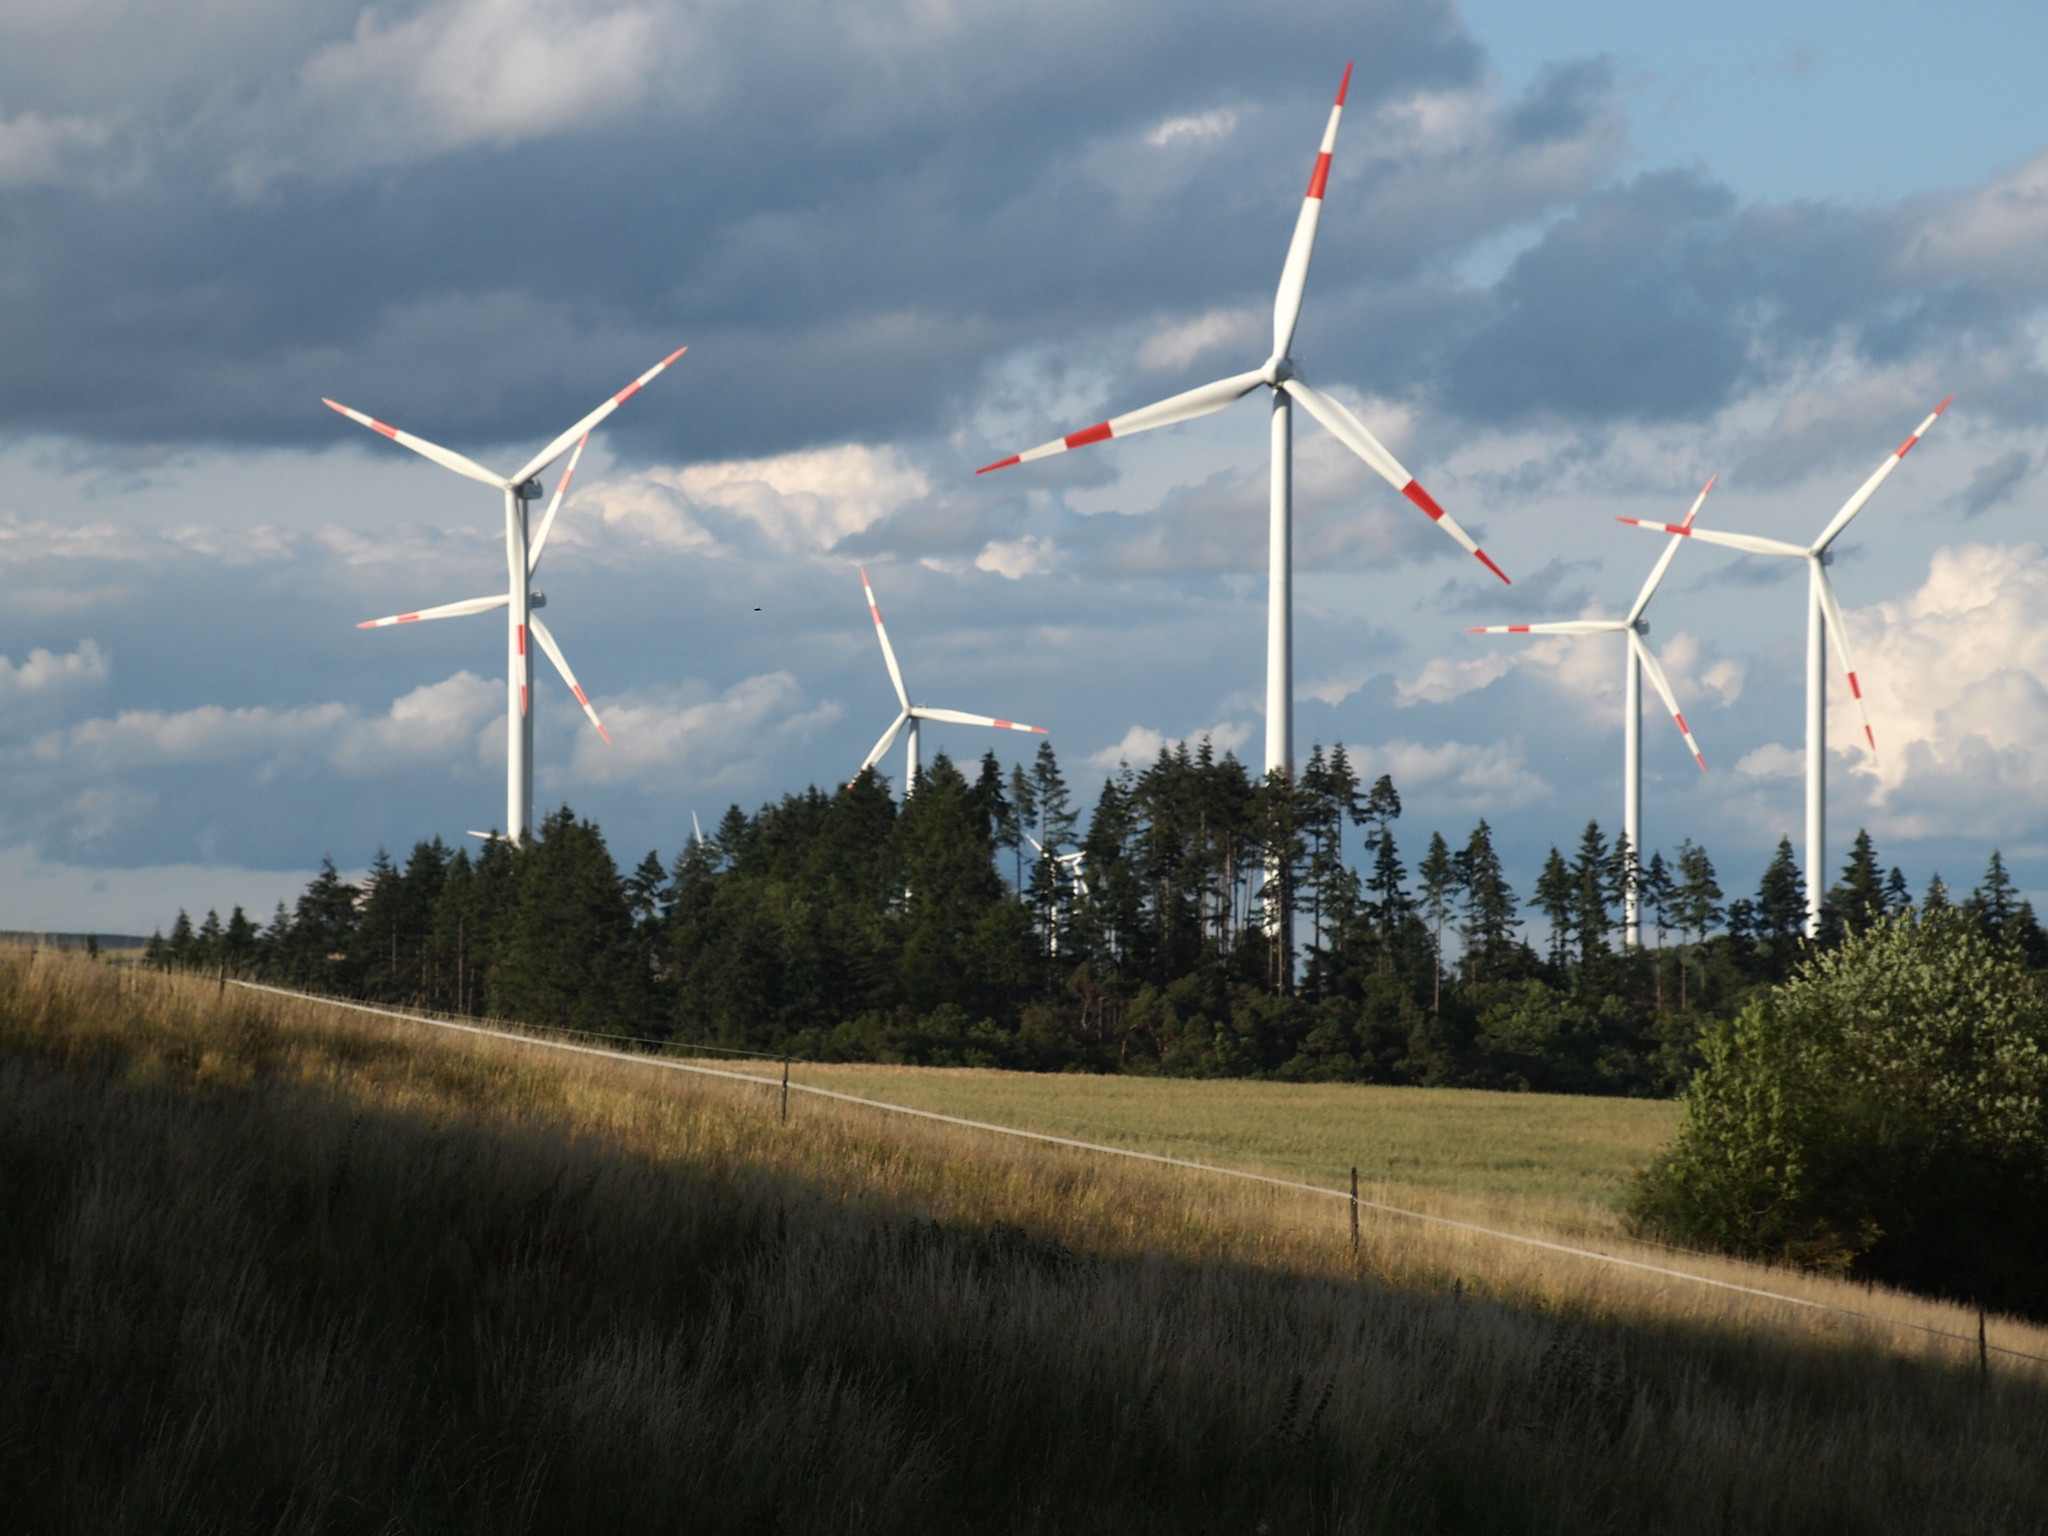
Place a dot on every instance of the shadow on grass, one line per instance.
(230, 1302)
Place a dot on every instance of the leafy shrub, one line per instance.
(1881, 1113)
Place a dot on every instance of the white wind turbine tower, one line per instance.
(522, 558)
(914, 713)
(1823, 619)
(1280, 374)
(1640, 659)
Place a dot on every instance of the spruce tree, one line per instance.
(1438, 874)
(1490, 905)
(1556, 896)
(566, 957)
(1995, 901)
(1593, 888)
(1781, 895)
(1857, 899)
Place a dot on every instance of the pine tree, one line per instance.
(566, 957)
(1387, 905)
(1936, 899)
(1781, 895)
(1857, 899)
(1995, 901)
(1438, 874)
(1490, 905)
(1898, 896)
(1659, 898)
(1556, 896)
(1024, 806)
(1592, 876)
(1697, 903)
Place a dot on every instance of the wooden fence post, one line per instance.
(1354, 1208)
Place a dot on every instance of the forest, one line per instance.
(982, 923)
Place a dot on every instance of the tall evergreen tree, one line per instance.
(1557, 898)
(1857, 898)
(567, 957)
(1438, 877)
(1490, 905)
(1781, 896)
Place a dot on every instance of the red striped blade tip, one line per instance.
(1319, 178)
(1001, 464)
(1344, 85)
(1943, 406)
(1488, 563)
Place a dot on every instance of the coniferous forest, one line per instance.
(959, 929)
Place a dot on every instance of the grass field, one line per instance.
(1561, 1161)
(266, 1265)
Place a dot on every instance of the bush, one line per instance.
(1880, 1113)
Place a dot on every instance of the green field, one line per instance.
(1547, 1152)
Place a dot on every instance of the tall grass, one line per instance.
(270, 1266)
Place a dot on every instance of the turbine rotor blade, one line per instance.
(1838, 632)
(560, 445)
(1864, 492)
(1352, 433)
(1562, 627)
(447, 458)
(445, 611)
(540, 539)
(888, 740)
(547, 643)
(888, 651)
(1747, 542)
(1185, 406)
(1662, 684)
(957, 717)
(1664, 560)
(1294, 271)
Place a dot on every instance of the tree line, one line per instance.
(959, 927)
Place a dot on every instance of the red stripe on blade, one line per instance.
(1095, 434)
(408, 618)
(1854, 686)
(1680, 718)
(1907, 446)
(1004, 725)
(1001, 464)
(1320, 177)
(1344, 86)
(378, 426)
(1483, 559)
(1414, 492)
(1518, 629)
(579, 697)
(627, 393)
(521, 630)
(522, 699)
(1872, 736)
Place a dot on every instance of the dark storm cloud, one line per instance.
(846, 221)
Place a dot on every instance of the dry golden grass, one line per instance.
(279, 1266)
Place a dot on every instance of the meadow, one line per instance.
(269, 1265)
(1562, 1160)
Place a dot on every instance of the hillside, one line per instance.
(273, 1266)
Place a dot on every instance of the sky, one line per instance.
(1573, 260)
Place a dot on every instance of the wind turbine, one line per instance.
(1279, 374)
(914, 713)
(522, 558)
(1640, 659)
(1823, 619)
